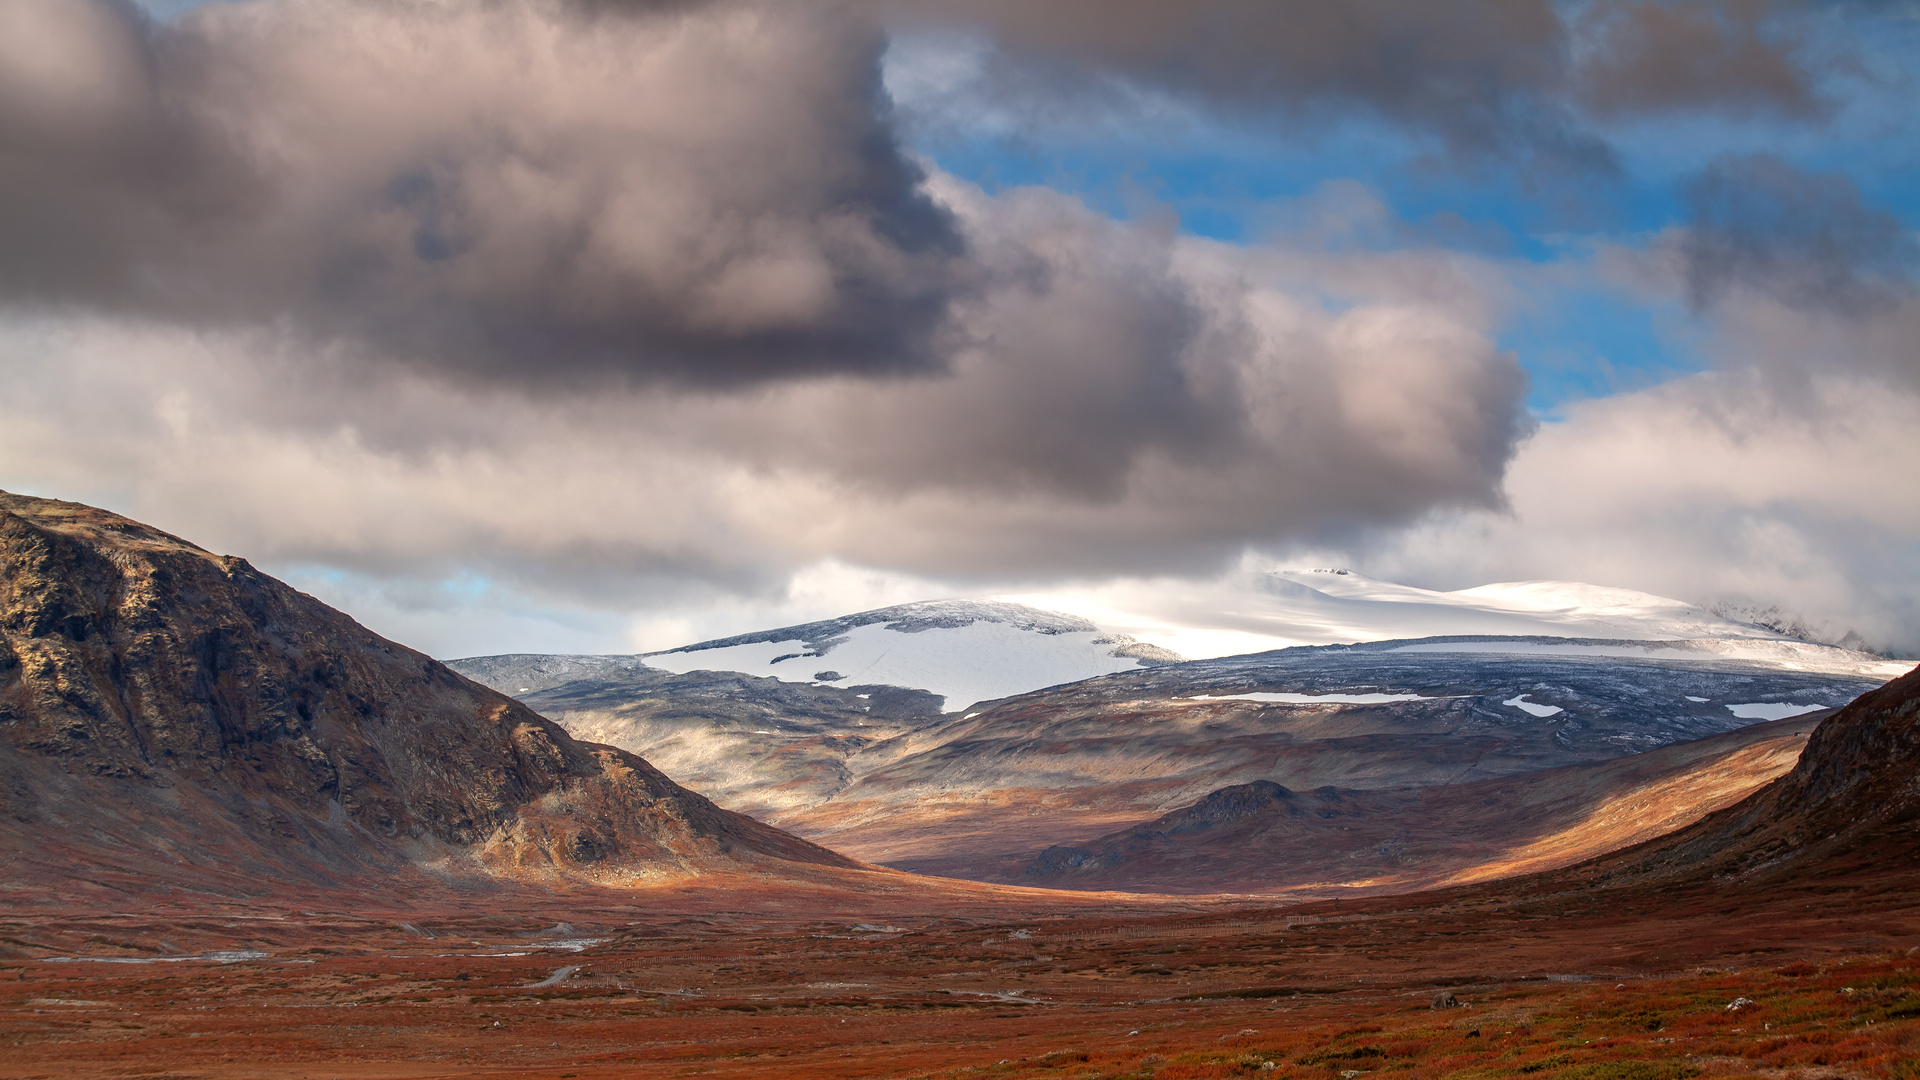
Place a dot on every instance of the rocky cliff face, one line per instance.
(161, 703)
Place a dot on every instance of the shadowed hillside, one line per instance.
(169, 715)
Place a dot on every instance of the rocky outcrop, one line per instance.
(1850, 805)
(161, 701)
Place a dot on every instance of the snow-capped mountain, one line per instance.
(969, 651)
(964, 650)
(1048, 728)
(1326, 607)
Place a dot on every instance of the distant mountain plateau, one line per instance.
(1069, 784)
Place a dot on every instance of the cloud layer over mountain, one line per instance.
(635, 304)
(699, 216)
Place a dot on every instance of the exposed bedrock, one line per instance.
(161, 703)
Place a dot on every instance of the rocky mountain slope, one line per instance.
(1825, 856)
(980, 796)
(888, 778)
(167, 714)
(756, 744)
(1262, 837)
(1849, 809)
(847, 730)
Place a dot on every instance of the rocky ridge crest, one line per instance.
(162, 704)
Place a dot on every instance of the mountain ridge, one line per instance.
(177, 713)
(965, 651)
(1851, 803)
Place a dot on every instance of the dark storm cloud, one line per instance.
(1740, 56)
(1106, 353)
(1480, 76)
(694, 197)
(526, 194)
(1807, 239)
(1122, 399)
(552, 192)
(1508, 80)
(532, 190)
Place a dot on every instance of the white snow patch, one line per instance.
(225, 956)
(1312, 699)
(1253, 612)
(1533, 707)
(1771, 710)
(986, 660)
(578, 944)
(977, 662)
(1699, 700)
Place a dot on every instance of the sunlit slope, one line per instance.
(1263, 837)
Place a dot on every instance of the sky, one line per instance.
(611, 325)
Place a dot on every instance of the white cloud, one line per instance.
(1716, 487)
(1122, 401)
(732, 359)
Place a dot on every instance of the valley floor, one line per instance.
(1633, 987)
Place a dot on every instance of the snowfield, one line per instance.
(1770, 710)
(965, 651)
(970, 651)
(1287, 608)
(1533, 708)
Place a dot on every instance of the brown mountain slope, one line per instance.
(167, 714)
(1263, 837)
(1850, 808)
(981, 796)
(1839, 832)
